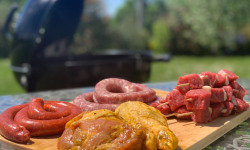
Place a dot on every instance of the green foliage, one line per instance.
(124, 26)
(5, 6)
(212, 24)
(155, 10)
(160, 36)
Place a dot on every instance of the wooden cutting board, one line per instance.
(191, 136)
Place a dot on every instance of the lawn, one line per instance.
(161, 71)
(8, 84)
(181, 65)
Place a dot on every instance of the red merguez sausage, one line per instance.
(188, 82)
(238, 90)
(209, 78)
(86, 103)
(175, 99)
(116, 91)
(198, 99)
(46, 127)
(228, 108)
(216, 110)
(228, 74)
(12, 130)
(39, 110)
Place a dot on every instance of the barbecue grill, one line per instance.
(40, 59)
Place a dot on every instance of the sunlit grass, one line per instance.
(181, 65)
(8, 84)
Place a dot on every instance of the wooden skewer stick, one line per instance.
(189, 99)
(184, 114)
(179, 114)
(166, 103)
(184, 84)
(170, 115)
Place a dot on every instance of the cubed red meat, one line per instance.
(175, 99)
(201, 116)
(220, 81)
(163, 100)
(218, 95)
(208, 78)
(241, 105)
(164, 109)
(230, 75)
(182, 110)
(188, 82)
(228, 107)
(198, 99)
(229, 91)
(216, 110)
(238, 90)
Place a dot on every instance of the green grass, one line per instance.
(8, 84)
(161, 71)
(181, 65)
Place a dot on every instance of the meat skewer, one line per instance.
(205, 97)
(188, 82)
(162, 104)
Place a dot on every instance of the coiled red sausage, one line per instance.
(38, 109)
(29, 117)
(86, 103)
(116, 91)
(10, 129)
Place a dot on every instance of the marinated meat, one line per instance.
(99, 130)
(138, 114)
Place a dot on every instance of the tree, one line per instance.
(160, 36)
(211, 24)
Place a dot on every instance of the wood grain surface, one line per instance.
(192, 136)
